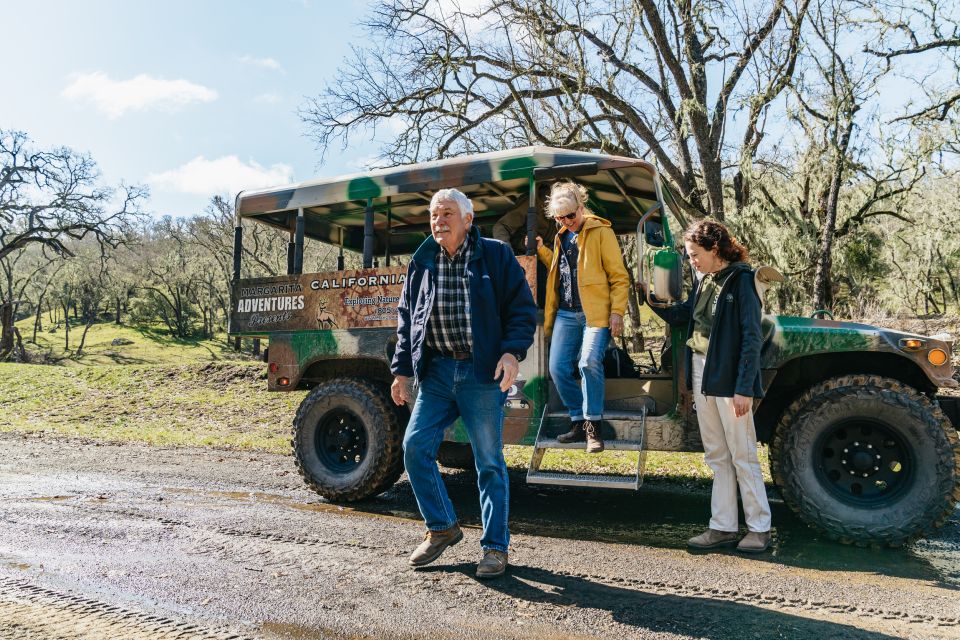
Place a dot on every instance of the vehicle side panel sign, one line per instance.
(323, 301)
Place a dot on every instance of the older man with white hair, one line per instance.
(466, 319)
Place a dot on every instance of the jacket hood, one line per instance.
(737, 267)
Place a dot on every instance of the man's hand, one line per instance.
(400, 390)
(616, 325)
(508, 367)
(742, 404)
(539, 242)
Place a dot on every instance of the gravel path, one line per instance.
(101, 540)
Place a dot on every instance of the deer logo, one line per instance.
(325, 319)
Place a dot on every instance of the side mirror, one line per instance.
(666, 281)
(661, 266)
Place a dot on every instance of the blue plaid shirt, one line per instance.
(448, 329)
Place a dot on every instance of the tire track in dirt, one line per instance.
(29, 612)
(234, 543)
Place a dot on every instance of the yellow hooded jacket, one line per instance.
(603, 280)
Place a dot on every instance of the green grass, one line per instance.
(199, 393)
(157, 390)
(148, 345)
(668, 466)
(218, 404)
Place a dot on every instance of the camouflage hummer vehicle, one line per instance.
(861, 444)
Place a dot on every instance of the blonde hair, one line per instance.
(565, 198)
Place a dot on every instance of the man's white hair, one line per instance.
(455, 195)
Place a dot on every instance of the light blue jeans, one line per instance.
(448, 390)
(576, 344)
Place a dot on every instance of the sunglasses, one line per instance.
(569, 216)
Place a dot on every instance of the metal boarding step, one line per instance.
(623, 422)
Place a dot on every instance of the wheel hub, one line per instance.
(341, 442)
(863, 461)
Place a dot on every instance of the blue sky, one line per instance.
(192, 98)
(196, 98)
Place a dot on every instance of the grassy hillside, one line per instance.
(200, 393)
(138, 345)
(212, 404)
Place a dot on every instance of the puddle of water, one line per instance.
(14, 563)
(287, 631)
(316, 507)
(657, 516)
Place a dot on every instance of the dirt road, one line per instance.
(129, 541)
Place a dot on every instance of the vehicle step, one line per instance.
(608, 445)
(607, 415)
(583, 480)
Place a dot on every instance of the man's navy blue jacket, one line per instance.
(733, 355)
(503, 316)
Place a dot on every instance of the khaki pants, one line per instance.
(730, 449)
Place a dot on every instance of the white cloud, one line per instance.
(227, 174)
(268, 98)
(116, 97)
(264, 63)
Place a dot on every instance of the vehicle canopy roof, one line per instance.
(621, 190)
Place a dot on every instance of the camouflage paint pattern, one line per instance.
(496, 183)
(794, 337)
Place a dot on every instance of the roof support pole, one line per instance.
(368, 236)
(298, 243)
(531, 218)
(386, 251)
(237, 251)
(340, 260)
(237, 238)
(291, 245)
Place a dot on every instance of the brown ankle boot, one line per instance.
(594, 441)
(434, 543)
(576, 433)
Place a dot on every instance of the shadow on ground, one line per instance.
(665, 515)
(697, 617)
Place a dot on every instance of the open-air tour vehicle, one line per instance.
(861, 444)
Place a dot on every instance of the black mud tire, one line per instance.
(813, 483)
(347, 440)
(456, 455)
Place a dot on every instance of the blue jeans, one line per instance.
(574, 342)
(449, 389)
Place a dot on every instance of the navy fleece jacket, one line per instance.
(733, 355)
(503, 315)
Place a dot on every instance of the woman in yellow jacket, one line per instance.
(587, 287)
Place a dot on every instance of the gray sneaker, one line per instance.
(493, 564)
(755, 542)
(434, 543)
(711, 539)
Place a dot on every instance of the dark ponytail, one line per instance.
(710, 233)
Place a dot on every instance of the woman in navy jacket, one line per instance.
(723, 369)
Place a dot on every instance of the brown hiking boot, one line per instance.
(493, 564)
(755, 542)
(594, 441)
(711, 539)
(434, 543)
(576, 433)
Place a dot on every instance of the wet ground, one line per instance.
(129, 541)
